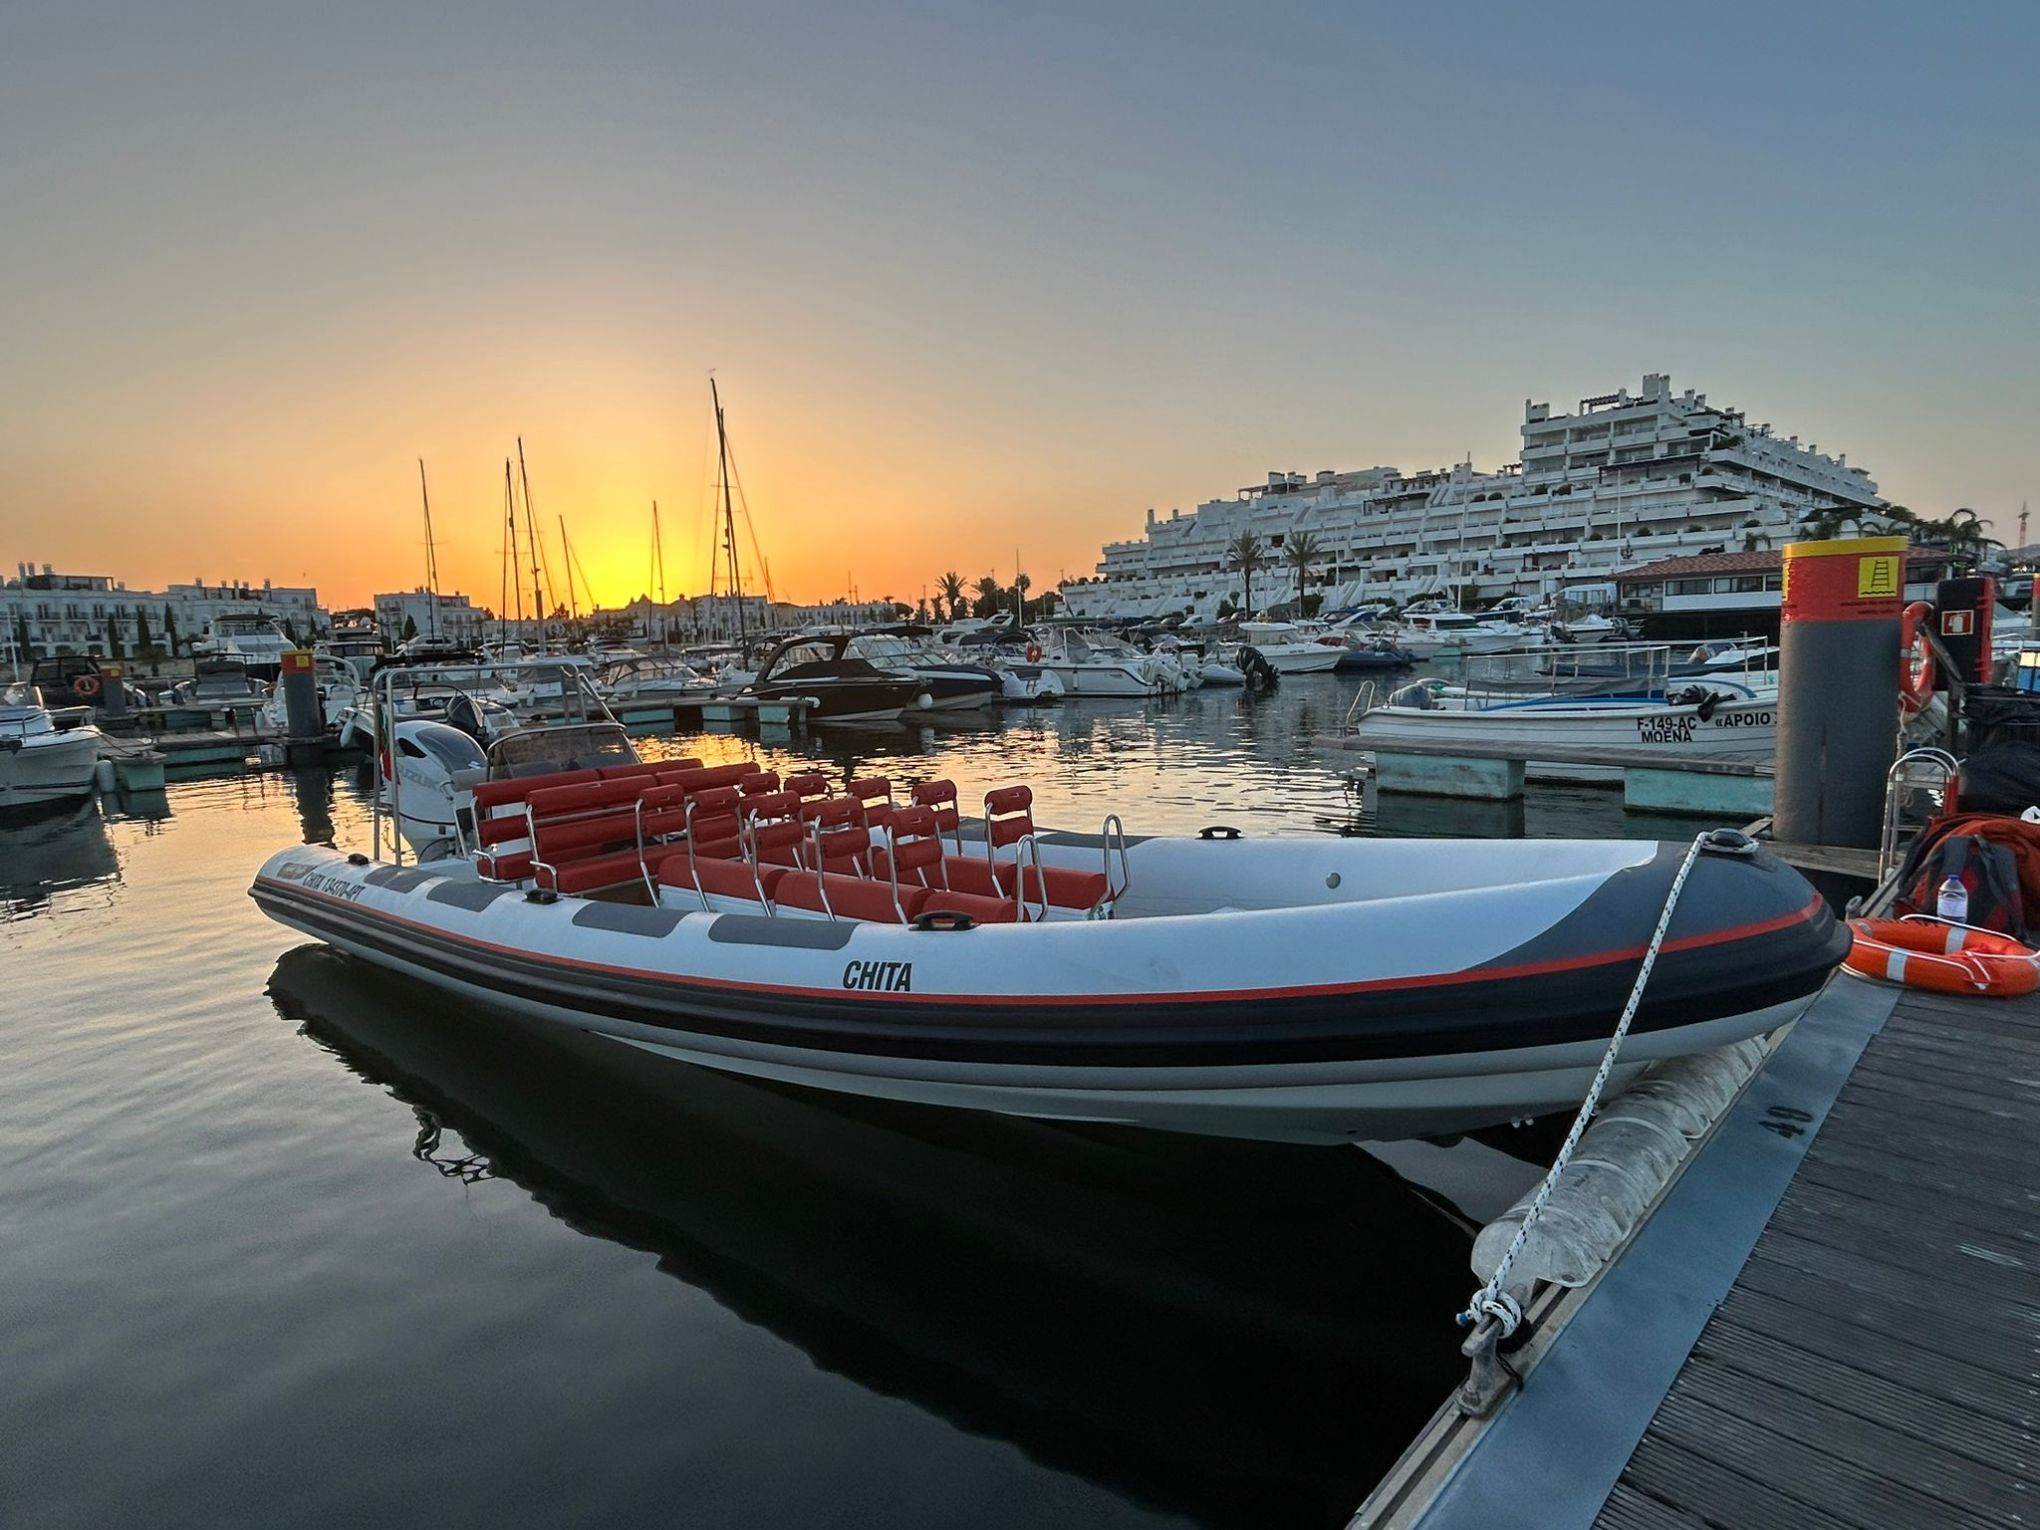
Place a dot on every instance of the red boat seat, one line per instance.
(494, 794)
(840, 841)
(774, 833)
(705, 777)
(1066, 888)
(759, 782)
(875, 793)
(849, 897)
(720, 878)
(939, 797)
(643, 769)
(811, 789)
(983, 910)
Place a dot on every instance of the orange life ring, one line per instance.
(1916, 659)
(1943, 958)
(1033, 653)
(85, 685)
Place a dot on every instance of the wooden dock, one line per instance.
(1877, 1362)
(1652, 780)
(1832, 1319)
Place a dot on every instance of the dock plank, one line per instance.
(1876, 1397)
(1877, 1361)
(1838, 1483)
(1825, 1424)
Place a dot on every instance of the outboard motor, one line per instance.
(1261, 675)
(1417, 696)
(424, 796)
(1702, 697)
(462, 713)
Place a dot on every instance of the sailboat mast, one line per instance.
(516, 575)
(567, 557)
(722, 453)
(531, 537)
(659, 564)
(431, 557)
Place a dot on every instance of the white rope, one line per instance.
(1490, 1302)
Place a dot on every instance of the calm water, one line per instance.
(287, 1240)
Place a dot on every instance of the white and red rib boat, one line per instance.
(1303, 989)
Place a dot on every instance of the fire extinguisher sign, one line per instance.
(1958, 623)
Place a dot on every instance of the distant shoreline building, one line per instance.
(1627, 480)
(44, 612)
(714, 618)
(449, 616)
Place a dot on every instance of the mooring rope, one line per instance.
(1490, 1301)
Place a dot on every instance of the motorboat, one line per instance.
(252, 638)
(226, 686)
(638, 679)
(1434, 631)
(1216, 671)
(1095, 664)
(336, 684)
(44, 757)
(952, 684)
(838, 688)
(1308, 989)
(1714, 718)
(1292, 649)
(1024, 683)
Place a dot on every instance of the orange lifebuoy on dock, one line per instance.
(1942, 958)
(1916, 659)
(85, 685)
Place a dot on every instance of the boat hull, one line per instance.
(48, 768)
(1730, 729)
(1336, 1021)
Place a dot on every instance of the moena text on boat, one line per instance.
(1310, 989)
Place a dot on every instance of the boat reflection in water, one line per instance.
(1241, 1332)
(53, 851)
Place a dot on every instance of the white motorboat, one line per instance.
(1090, 664)
(252, 638)
(1436, 631)
(1217, 672)
(41, 760)
(1023, 684)
(1310, 989)
(1292, 649)
(640, 680)
(1711, 718)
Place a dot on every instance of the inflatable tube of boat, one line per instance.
(1294, 989)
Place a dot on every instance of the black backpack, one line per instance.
(1989, 872)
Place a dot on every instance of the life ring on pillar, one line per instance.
(85, 685)
(1915, 658)
(1033, 653)
(1942, 958)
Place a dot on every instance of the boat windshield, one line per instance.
(572, 746)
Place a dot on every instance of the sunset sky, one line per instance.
(973, 279)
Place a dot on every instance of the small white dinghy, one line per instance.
(1305, 989)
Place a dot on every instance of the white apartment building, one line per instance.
(44, 612)
(443, 615)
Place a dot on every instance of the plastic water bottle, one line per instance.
(1952, 901)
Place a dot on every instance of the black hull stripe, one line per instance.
(1439, 1019)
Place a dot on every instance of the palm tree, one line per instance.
(1300, 551)
(988, 596)
(1246, 557)
(950, 588)
(1021, 584)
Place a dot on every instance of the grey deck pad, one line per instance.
(1552, 1455)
